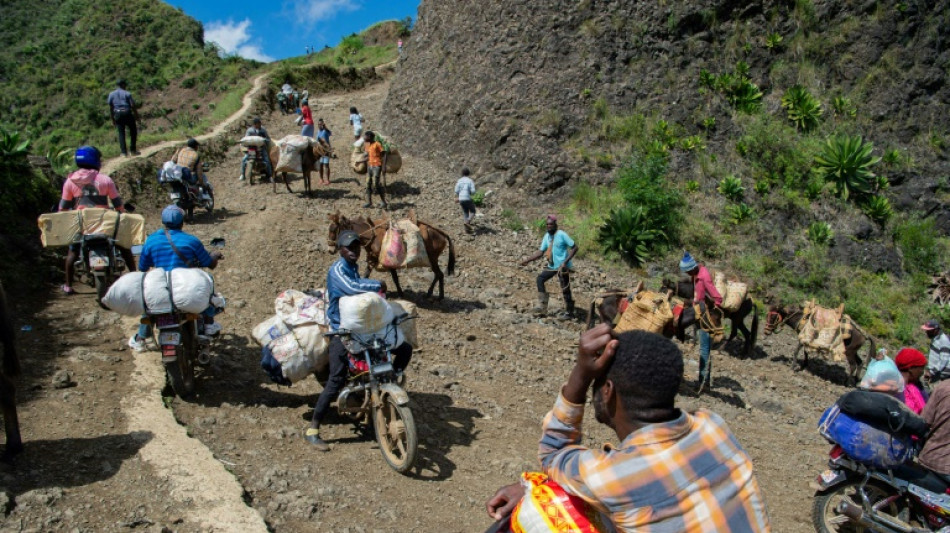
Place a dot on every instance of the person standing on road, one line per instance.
(376, 169)
(464, 190)
(938, 365)
(673, 470)
(558, 249)
(257, 130)
(172, 248)
(87, 187)
(704, 293)
(307, 130)
(356, 119)
(343, 279)
(124, 114)
(323, 137)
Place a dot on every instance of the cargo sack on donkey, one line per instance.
(291, 149)
(191, 290)
(403, 247)
(733, 292)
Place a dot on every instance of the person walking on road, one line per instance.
(376, 169)
(558, 249)
(124, 114)
(307, 130)
(356, 119)
(323, 137)
(464, 190)
(704, 293)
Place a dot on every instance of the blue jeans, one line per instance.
(307, 130)
(265, 156)
(145, 330)
(704, 367)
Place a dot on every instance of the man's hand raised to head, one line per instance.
(594, 354)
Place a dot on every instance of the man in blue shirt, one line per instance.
(124, 114)
(323, 137)
(558, 249)
(172, 248)
(343, 279)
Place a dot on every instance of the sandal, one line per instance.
(68, 290)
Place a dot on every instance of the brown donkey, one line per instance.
(371, 234)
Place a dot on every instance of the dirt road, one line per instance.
(486, 375)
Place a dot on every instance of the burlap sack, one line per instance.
(649, 311)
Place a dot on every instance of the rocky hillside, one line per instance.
(503, 94)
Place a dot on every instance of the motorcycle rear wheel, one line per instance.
(102, 287)
(181, 373)
(396, 434)
(827, 520)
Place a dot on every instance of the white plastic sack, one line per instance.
(296, 308)
(408, 328)
(365, 313)
(268, 330)
(192, 289)
(253, 140)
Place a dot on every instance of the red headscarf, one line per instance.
(909, 358)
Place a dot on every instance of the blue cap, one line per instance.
(173, 216)
(687, 263)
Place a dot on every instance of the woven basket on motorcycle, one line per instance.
(824, 329)
(649, 311)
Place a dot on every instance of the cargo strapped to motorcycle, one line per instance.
(115, 230)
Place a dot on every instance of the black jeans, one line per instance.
(340, 369)
(468, 210)
(125, 119)
(565, 279)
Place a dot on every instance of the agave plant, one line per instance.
(803, 109)
(60, 160)
(745, 96)
(762, 187)
(706, 79)
(846, 162)
(820, 233)
(878, 208)
(773, 41)
(692, 186)
(813, 187)
(626, 231)
(742, 69)
(843, 107)
(693, 142)
(731, 187)
(13, 149)
(739, 213)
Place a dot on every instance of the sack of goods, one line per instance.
(153, 292)
(358, 161)
(170, 172)
(291, 150)
(825, 329)
(403, 309)
(65, 227)
(369, 315)
(649, 311)
(733, 292)
(393, 161)
(292, 339)
(872, 428)
(547, 508)
(403, 247)
(253, 140)
(393, 250)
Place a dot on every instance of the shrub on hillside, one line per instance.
(803, 109)
(924, 250)
(25, 192)
(643, 183)
(629, 231)
(846, 163)
(776, 149)
(731, 187)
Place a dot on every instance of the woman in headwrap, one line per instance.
(912, 363)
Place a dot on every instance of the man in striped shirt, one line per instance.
(673, 471)
(938, 359)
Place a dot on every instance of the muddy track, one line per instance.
(485, 376)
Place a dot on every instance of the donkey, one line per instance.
(8, 373)
(792, 316)
(684, 289)
(371, 234)
(309, 160)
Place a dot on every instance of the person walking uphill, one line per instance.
(124, 114)
(307, 115)
(558, 249)
(376, 166)
(704, 293)
(464, 190)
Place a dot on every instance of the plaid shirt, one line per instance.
(187, 157)
(689, 474)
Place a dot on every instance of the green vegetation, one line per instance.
(846, 163)
(731, 187)
(925, 251)
(510, 220)
(478, 198)
(804, 110)
(628, 231)
(736, 87)
(739, 213)
(820, 233)
(26, 192)
(62, 58)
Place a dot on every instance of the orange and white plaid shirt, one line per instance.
(187, 157)
(689, 474)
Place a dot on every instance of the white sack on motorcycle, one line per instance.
(192, 289)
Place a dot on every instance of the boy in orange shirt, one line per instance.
(376, 168)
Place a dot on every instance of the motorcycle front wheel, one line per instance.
(396, 434)
(827, 520)
(181, 373)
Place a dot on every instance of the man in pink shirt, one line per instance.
(88, 188)
(704, 293)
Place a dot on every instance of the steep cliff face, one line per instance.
(502, 87)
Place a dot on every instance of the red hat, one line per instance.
(909, 358)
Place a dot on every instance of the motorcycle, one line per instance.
(184, 192)
(374, 392)
(852, 496)
(255, 163)
(181, 345)
(98, 264)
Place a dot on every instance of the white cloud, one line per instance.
(234, 38)
(311, 11)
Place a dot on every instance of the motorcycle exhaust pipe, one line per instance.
(879, 522)
(341, 402)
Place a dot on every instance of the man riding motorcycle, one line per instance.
(257, 130)
(172, 248)
(343, 279)
(87, 187)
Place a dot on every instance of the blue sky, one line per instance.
(276, 29)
